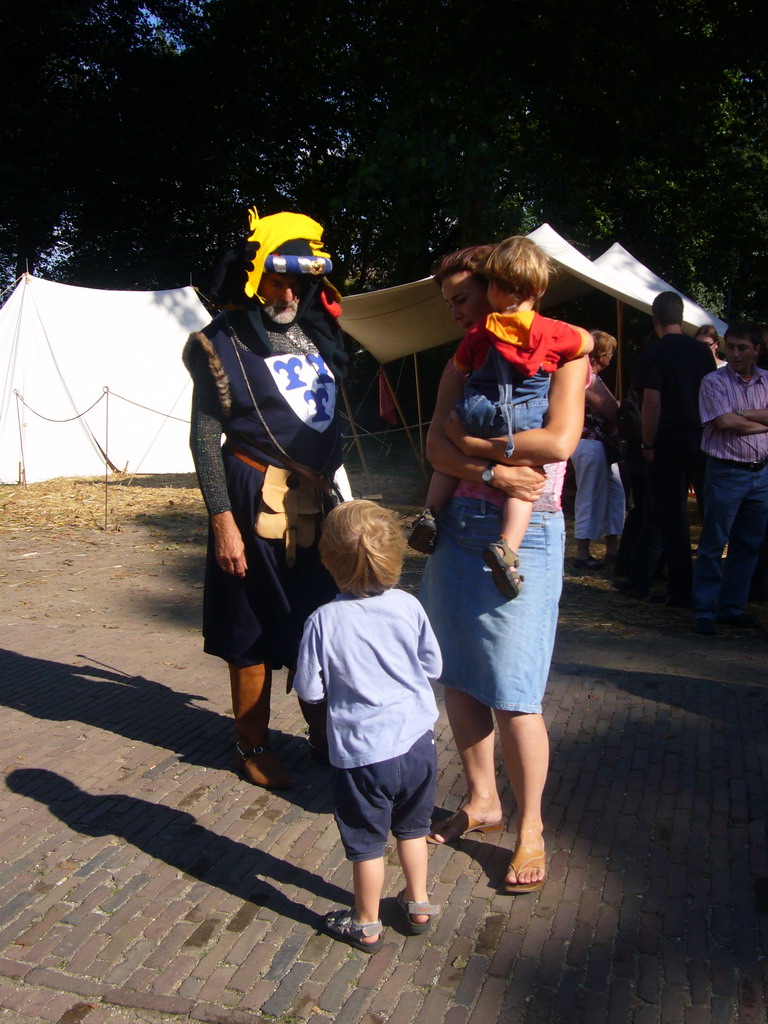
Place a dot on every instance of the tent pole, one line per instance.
(403, 420)
(358, 443)
(106, 462)
(419, 416)
(619, 348)
(22, 461)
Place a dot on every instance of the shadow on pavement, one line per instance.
(145, 711)
(174, 837)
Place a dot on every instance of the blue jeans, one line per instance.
(735, 513)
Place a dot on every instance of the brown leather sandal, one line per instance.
(462, 824)
(525, 857)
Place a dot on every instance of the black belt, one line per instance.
(753, 467)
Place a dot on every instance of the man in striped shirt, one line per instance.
(733, 402)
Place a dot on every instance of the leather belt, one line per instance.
(240, 454)
(752, 467)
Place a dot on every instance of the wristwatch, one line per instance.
(488, 474)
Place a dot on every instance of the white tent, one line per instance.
(643, 286)
(395, 322)
(92, 377)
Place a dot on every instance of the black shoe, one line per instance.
(318, 754)
(629, 588)
(704, 627)
(424, 533)
(742, 621)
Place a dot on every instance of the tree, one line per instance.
(145, 130)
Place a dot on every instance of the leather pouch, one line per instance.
(289, 510)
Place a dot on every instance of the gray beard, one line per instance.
(285, 316)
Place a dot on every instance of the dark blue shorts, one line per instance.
(397, 795)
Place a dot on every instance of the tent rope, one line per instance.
(146, 408)
(106, 391)
(168, 416)
(48, 419)
(10, 287)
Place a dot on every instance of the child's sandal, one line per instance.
(424, 533)
(411, 910)
(504, 563)
(341, 924)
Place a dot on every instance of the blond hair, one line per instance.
(604, 343)
(362, 547)
(518, 266)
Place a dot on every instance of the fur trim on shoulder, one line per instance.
(219, 374)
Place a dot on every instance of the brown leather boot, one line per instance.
(317, 737)
(316, 717)
(251, 692)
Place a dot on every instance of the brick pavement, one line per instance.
(142, 882)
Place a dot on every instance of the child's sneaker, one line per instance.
(504, 563)
(424, 533)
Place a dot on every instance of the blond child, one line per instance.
(372, 653)
(509, 360)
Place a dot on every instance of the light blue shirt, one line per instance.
(374, 658)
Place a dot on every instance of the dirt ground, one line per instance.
(77, 549)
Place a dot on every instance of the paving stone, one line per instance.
(658, 785)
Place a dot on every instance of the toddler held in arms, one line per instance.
(372, 653)
(508, 359)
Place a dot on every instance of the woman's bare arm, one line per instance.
(599, 396)
(521, 482)
(554, 442)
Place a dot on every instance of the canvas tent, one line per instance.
(644, 286)
(93, 378)
(396, 322)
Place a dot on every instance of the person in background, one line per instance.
(734, 410)
(669, 371)
(600, 501)
(708, 336)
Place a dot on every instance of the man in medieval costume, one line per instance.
(265, 373)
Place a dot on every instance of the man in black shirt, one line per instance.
(669, 372)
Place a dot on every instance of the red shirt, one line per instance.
(526, 339)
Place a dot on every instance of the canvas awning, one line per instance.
(396, 322)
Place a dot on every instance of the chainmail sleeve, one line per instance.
(206, 428)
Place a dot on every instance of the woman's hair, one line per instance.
(604, 344)
(709, 332)
(472, 260)
(518, 266)
(362, 547)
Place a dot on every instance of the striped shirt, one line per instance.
(725, 391)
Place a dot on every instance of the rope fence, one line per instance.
(103, 451)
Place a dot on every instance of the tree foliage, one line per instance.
(135, 134)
